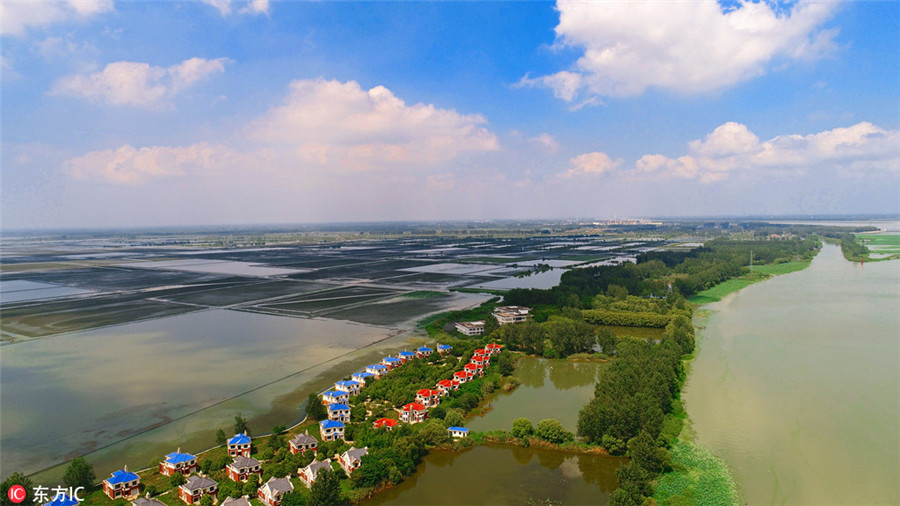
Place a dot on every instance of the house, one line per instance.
(274, 489)
(445, 386)
(146, 501)
(239, 445)
(122, 484)
(481, 352)
(479, 360)
(405, 355)
(428, 398)
(309, 473)
(361, 377)
(387, 423)
(351, 387)
(475, 328)
(242, 468)
(413, 413)
(474, 370)
(240, 501)
(335, 397)
(424, 352)
(196, 487)
(302, 443)
(377, 370)
(462, 376)
(351, 459)
(494, 348)
(178, 462)
(339, 412)
(62, 500)
(444, 348)
(456, 432)
(511, 314)
(391, 362)
(331, 430)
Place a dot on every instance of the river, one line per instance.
(796, 384)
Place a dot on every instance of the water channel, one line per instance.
(796, 384)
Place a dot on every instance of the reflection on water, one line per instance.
(506, 475)
(550, 389)
(796, 384)
(83, 390)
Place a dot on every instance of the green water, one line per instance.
(796, 384)
(550, 389)
(498, 475)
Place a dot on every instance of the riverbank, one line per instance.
(759, 273)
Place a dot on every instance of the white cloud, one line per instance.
(688, 48)
(591, 164)
(547, 141)
(137, 84)
(128, 165)
(330, 122)
(226, 7)
(732, 148)
(17, 16)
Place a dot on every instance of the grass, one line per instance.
(760, 273)
(424, 294)
(697, 477)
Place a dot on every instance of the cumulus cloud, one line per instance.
(339, 123)
(128, 165)
(226, 7)
(547, 141)
(630, 46)
(591, 164)
(17, 16)
(138, 84)
(731, 148)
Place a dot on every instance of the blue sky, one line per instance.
(120, 114)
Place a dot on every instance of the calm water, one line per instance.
(797, 384)
(550, 389)
(506, 475)
(84, 390)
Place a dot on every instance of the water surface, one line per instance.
(797, 384)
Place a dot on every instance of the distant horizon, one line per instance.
(315, 226)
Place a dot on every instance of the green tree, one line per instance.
(240, 425)
(645, 453)
(617, 292)
(206, 500)
(292, 499)
(176, 480)
(315, 409)
(521, 428)
(553, 431)
(326, 490)
(80, 473)
(221, 438)
(251, 486)
(506, 363)
(439, 412)
(454, 418)
(16, 479)
(490, 325)
(607, 341)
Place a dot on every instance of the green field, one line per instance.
(697, 477)
(760, 273)
(881, 244)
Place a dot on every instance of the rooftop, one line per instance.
(331, 424)
(239, 439)
(123, 476)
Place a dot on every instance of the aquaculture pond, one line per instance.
(500, 475)
(796, 384)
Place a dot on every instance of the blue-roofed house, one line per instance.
(391, 362)
(331, 430)
(444, 348)
(335, 397)
(351, 387)
(122, 485)
(361, 377)
(239, 445)
(377, 370)
(458, 432)
(62, 500)
(339, 412)
(424, 352)
(178, 462)
(405, 355)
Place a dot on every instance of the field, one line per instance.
(697, 477)
(760, 273)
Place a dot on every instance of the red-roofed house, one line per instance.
(474, 369)
(413, 413)
(494, 348)
(387, 423)
(480, 352)
(445, 386)
(462, 376)
(428, 398)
